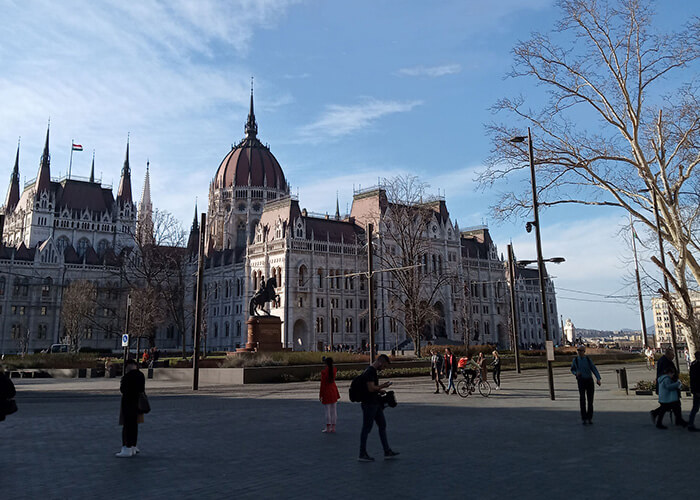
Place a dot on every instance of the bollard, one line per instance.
(150, 373)
(622, 379)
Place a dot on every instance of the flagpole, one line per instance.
(70, 165)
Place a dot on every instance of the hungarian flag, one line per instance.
(77, 147)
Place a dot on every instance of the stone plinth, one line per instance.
(264, 334)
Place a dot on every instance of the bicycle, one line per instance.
(651, 363)
(465, 387)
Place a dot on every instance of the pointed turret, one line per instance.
(13, 191)
(124, 192)
(337, 207)
(43, 178)
(251, 126)
(92, 168)
(193, 240)
(145, 223)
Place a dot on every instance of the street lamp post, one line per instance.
(540, 261)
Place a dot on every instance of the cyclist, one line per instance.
(649, 353)
(470, 368)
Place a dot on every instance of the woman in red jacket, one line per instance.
(329, 394)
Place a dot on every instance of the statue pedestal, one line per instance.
(264, 334)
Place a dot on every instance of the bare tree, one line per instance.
(157, 271)
(612, 132)
(147, 313)
(418, 276)
(22, 337)
(78, 311)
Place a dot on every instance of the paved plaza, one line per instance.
(264, 441)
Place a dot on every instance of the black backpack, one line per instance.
(358, 389)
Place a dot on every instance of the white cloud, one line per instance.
(431, 71)
(339, 120)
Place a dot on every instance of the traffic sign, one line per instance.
(125, 340)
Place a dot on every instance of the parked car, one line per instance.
(59, 348)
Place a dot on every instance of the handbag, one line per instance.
(144, 405)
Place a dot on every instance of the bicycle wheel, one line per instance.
(463, 388)
(484, 388)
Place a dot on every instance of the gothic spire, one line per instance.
(251, 126)
(13, 191)
(145, 222)
(92, 168)
(337, 207)
(195, 223)
(193, 240)
(124, 192)
(43, 178)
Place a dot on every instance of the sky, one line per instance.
(345, 93)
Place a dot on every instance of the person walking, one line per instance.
(669, 399)
(133, 384)
(481, 361)
(695, 391)
(373, 409)
(450, 367)
(7, 393)
(662, 366)
(496, 363)
(436, 363)
(329, 394)
(583, 368)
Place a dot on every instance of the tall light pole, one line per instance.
(198, 304)
(370, 293)
(639, 286)
(540, 261)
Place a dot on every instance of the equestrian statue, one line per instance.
(266, 293)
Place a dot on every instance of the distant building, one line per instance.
(662, 321)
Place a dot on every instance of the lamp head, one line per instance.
(518, 138)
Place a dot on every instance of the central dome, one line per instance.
(250, 162)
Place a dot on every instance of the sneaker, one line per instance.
(365, 458)
(388, 455)
(125, 452)
(437, 391)
(454, 391)
(136, 450)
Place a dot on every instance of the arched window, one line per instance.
(25, 287)
(83, 245)
(216, 330)
(2, 287)
(227, 289)
(302, 275)
(46, 287)
(320, 278)
(62, 243)
(226, 329)
(319, 324)
(102, 247)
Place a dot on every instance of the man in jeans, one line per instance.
(373, 409)
(583, 368)
(695, 390)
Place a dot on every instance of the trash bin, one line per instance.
(622, 378)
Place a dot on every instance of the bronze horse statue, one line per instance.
(264, 295)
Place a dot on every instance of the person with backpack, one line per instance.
(329, 394)
(367, 389)
(583, 369)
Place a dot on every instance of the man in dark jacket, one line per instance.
(133, 384)
(695, 390)
(436, 371)
(7, 392)
(450, 370)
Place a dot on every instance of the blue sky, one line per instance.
(345, 92)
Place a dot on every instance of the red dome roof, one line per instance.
(250, 163)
